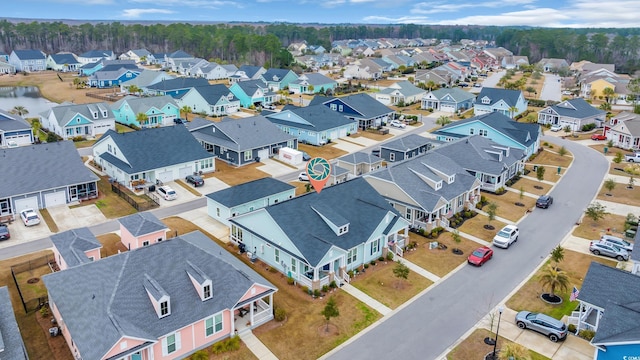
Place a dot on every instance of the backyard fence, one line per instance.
(139, 203)
(28, 273)
(105, 94)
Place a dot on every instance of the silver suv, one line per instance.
(552, 328)
(608, 249)
(614, 240)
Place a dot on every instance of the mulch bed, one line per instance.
(57, 344)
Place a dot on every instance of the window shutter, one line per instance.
(178, 343)
(164, 347)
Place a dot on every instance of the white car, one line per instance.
(556, 127)
(398, 124)
(303, 176)
(567, 92)
(507, 236)
(167, 193)
(29, 217)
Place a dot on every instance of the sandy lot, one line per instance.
(50, 86)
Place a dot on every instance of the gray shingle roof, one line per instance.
(11, 342)
(62, 59)
(73, 244)
(66, 112)
(250, 191)
(178, 84)
(250, 87)
(146, 78)
(108, 299)
(360, 157)
(179, 54)
(409, 142)
(29, 54)
(337, 170)
(475, 153)
(275, 74)
(250, 70)
(576, 108)
(11, 122)
(510, 97)
(314, 79)
(314, 118)
(90, 65)
(142, 223)
(143, 104)
(213, 93)
(171, 145)
(367, 106)
(457, 94)
(97, 53)
(36, 160)
(405, 87)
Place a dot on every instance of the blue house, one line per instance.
(28, 60)
(160, 110)
(313, 83)
(406, 147)
(448, 100)
(278, 79)
(145, 79)
(253, 92)
(213, 100)
(364, 109)
(90, 68)
(106, 79)
(4, 56)
(174, 87)
(509, 102)
(316, 124)
(497, 127)
(14, 130)
(69, 120)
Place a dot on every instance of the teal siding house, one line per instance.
(160, 111)
(278, 79)
(313, 83)
(90, 68)
(508, 102)
(253, 92)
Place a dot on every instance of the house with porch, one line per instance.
(508, 102)
(278, 79)
(213, 100)
(240, 141)
(28, 60)
(12, 346)
(151, 155)
(90, 68)
(253, 93)
(624, 130)
(23, 187)
(574, 113)
(141, 229)
(173, 60)
(337, 175)
(498, 128)
(159, 111)
(449, 100)
(93, 56)
(241, 199)
(69, 120)
(402, 92)
(247, 72)
(553, 64)
(6, 68)
(174, 87)
(406, 147)
(364, 109)
(312, 83)
(360, 163)
(75, 247)
(427, 189)
(215, 71)
(112, 77)
(335, 231)
(63, 62)
(140, 56)
(133, 305)
(14, 130)
(313, 124)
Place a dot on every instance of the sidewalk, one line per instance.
(619, 209)
(256, 346)
(371, 302)
(418, 270)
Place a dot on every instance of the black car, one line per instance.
(4, 233)
(178, 121)
(196, 180)
(544, 201)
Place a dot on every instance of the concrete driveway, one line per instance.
(184, 195)
(552, 88)
(492, 80)
(275, 168)
(207, 223)
(71, 218)
(347, 146)
(22, 234)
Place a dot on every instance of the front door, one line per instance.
(136, 356)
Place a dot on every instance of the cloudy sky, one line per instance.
(545, 13)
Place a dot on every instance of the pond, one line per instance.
(27, 96)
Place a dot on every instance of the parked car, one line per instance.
(544, 201)
(598, 137)
(463, 85)
(195, 180)
(507, 236)
(269, 107)
(614, 240)
(398, 124)
(480, 256)
(167, 193)
(4, 232)
(178, 121)
(607, 249)
(477, 85)
(303, 176)
(29, 217)
(556, 128)
(553, 328)
(305, 156)
(567, 92)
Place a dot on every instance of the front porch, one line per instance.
(586, 318)
(252, 314)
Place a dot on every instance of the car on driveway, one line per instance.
(167, 193)
(607, 249)
(556, 128)
(305, 156)
(550, 327)
(4, 232)
(507, 236)
(303, 176)
(29, 217)
(614, 240)
(544, 201)
(195, 180)
(598, 137)
(567, 92)
(480, 256)
(397, 124)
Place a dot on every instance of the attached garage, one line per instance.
(184, 171)
(333, 135)
(447, 108)
(165, 176)
(55, 199)
(27, 203)
(20, 139)
(263, 154)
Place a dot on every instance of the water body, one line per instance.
(27, 96)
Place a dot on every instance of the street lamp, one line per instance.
(495, 343)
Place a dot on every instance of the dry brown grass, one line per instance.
(590, 229)
(529, 186)
(619, 169)
(621, 194)
(111, 244)
(506, 205)
(530, 82)
(232, 175)
(552, 158)
(473, 347)
(301, 187)
(36, 289)
(50, 86)
(53, 227)
(372, 135)
(328, 151)
(475, 227)
(436, 261)
(109, 203)
(189, 188)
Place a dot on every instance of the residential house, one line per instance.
(427, 189)
(154, 155)
(624, 130)
(497, 54)
(6, 68)
(241, 141)
(174, 87)
(253, 93)
(214, 71)
(22, 185)
(137, 305)
(337, 175)
(213, 100)
(93, 56)
(364, 109)
(514, 62)
(449, 100)
(159, 111)
(553, 65)
(75, 247)
(145, 79)
(69, 120)
(28, 60)
(498, 128)
(14, 130)
(113, 73)
(364, 70)
(586, 66)
(508, 102)
(172, 60)
(433, 79)
(141, 229)
(63, 62)
(574, 113)
(335, 231)
(90, 68)
(190, 67)
(360, 163)
(12, 345)
(247, 72)
(4, 57)
(406, 147)
(313, 124)
(313, 83)
(240, 199)
(399, 93)
(594, 83)
(140, 56)
(278, 79)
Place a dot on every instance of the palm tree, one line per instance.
(553, 279)
(513, 110)
(514, 351)
(142, 118)
(557, 255)
(19, 110)
(443, 120)
(134, 89)
(186, 110)
(608, 94)
(431, 85)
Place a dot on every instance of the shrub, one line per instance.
(325, 288)
(389, 256)
(366, 266)
(279, 314)
(273, 270)
(230, 344)
(290, 281)
(588, 127)
(587, 334)
(545, 143)
(381, 258)
(571, 328)
(44, 311)
(306, 289)
(500, 191)
(317, 293)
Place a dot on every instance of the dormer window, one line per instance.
(206, 291)
(95, 114)
(486, 101)
(104, 113)
(164, 308)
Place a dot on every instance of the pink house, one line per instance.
(141, 229)
(164, 301)
(75, 247)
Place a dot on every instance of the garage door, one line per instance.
(447, 108)
(165, 176)
(187, 170)
(343, 133)
(19, 139)
(28, 203)
(263, 154)
(55, 199)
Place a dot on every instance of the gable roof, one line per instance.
(250, 70)
(314, 118)
(249, 191)
(275, 74)
(97, 54)
(171, 145)
(109, 300)
(478, 153)
(510, 97)
(364, 104)
(91, 65)
(576, 108)
(11, 343)
(250, 87)
(456, 93)
(179, 54)
(142, 223)
(29, 54)
(73, 244)
(360, 157)
(409, 142)
(41, 159)
(65, 58)
(314, 79)
(143, 104)
(405, 87)
(146, 78)
(66, 111)
(178, 83)
(213, 93)
(11, 122)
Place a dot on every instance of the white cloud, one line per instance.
(441, 6)
(136, 13)
(87, 2)
(208, 4)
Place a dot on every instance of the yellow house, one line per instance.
(596, 87)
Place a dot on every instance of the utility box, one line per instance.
(290, 156)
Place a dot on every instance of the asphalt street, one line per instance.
(552, 88)
(428, 326)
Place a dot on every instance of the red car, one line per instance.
(480, 256)
(598, 137)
